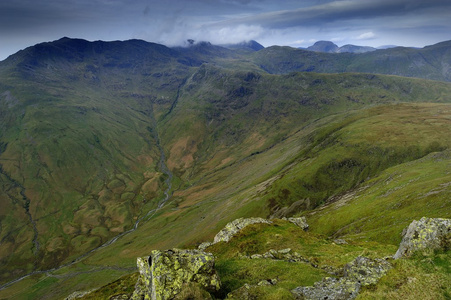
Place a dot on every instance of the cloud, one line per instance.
(338, 11)
(366, 36)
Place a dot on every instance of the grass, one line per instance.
(423, 277)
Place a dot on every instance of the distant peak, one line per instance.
(324, 46)
(248, 45)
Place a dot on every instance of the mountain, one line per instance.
(324, 46)
(111, 149)
(246, 45)
(431, 62)
(330, 47)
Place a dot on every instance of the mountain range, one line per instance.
(330, 47)
(111, 149)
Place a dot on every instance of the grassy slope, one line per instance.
(205, 206)
(369, 218)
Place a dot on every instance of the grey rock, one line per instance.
(427, 233)
(340, 242)
(330, 289)
(284, 251)
(360, 272)
(235, 226)
(301, 222)
(366, 271)
(204, 245)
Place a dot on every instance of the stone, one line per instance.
(360, 272)
(267, 282)
(301, 222)
(235, 226)
(427, 233)
(204, 245)
(163, 274)
(284, 251)
(340, 242)
(329, 288)
(366, 271)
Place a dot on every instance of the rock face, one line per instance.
(164, 273)
(235, 226)
(360, 272)
(425, 233)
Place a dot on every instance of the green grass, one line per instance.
(422, 277)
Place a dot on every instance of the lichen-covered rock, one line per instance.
(366, 271)
(330, 289)
(360, 272)
(301, 222)
(426, 233)
(204, 245)
(235, 226)
(164, 273)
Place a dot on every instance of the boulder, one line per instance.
(329, 288)
(360, 272)
(163, 274)
(427, 233)
(235, 226)
(366, 271)
(300, 222)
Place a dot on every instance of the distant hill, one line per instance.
(330, 47)
(431, 62)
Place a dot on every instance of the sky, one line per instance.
(296, 23)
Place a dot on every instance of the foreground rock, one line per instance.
(300, 222)
(234, 227)
(427, 233)
(360, 272)
(164, 274)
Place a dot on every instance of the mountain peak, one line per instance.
(246, 45)
(324, 46)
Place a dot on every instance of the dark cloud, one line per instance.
(342, 10)
(283, 22)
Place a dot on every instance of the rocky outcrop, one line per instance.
(330, 289)
(360, 272)
(163, 274)
(235, 226)
(300, 222)
(248, 292)
(427, 233)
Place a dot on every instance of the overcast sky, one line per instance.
(297, 23)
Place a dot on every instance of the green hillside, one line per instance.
(162, 147)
